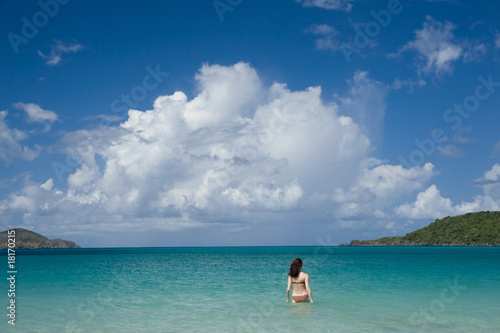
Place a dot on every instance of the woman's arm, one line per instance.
(308, 289)
(288, 288)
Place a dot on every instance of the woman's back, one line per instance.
(299, 285)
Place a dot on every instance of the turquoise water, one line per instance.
(244, 289)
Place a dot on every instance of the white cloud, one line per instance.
(458, 137)
(365, 104)
(224, 91)
(398, 84)
(326, 37)
(435, 43)
(32, 198)
(269, 196)
(491, 182)
(108, 118)
(378, 185)
(496, 149)
(493, 174)
(10, 143)
(37, 115)
(345, 5)
(236, 148)
(431, 205)
(497, 40)
(474, 52)
(450, 151)
(384, 180)
(322, 29)
(238, 151)
(58, 50)
(48, 185)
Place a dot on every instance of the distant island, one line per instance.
(27, 239)
(471, 229)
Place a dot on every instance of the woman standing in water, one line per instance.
(300, 282)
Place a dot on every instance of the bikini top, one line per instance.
(296, 281)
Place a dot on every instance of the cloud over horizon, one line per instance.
(234, 156)
(236, 145)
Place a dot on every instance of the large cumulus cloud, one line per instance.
(236, 145)
(237, 151)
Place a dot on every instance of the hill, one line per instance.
(27, 239)
(471, 229)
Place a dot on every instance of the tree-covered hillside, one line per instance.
(471, 229)
(27, 239)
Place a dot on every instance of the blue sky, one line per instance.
(193, 123)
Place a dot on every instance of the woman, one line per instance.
(300, 282)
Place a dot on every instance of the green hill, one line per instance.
(472, 229)
(27, 239)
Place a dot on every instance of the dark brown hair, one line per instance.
(295, 268)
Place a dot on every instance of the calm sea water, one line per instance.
(244, 290)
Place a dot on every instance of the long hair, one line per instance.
(295, 268)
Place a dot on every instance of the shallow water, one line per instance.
(243, 289)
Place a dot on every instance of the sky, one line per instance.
(246, 123)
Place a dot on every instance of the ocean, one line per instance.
(243, 289)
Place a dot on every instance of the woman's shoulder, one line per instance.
(304, 275)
